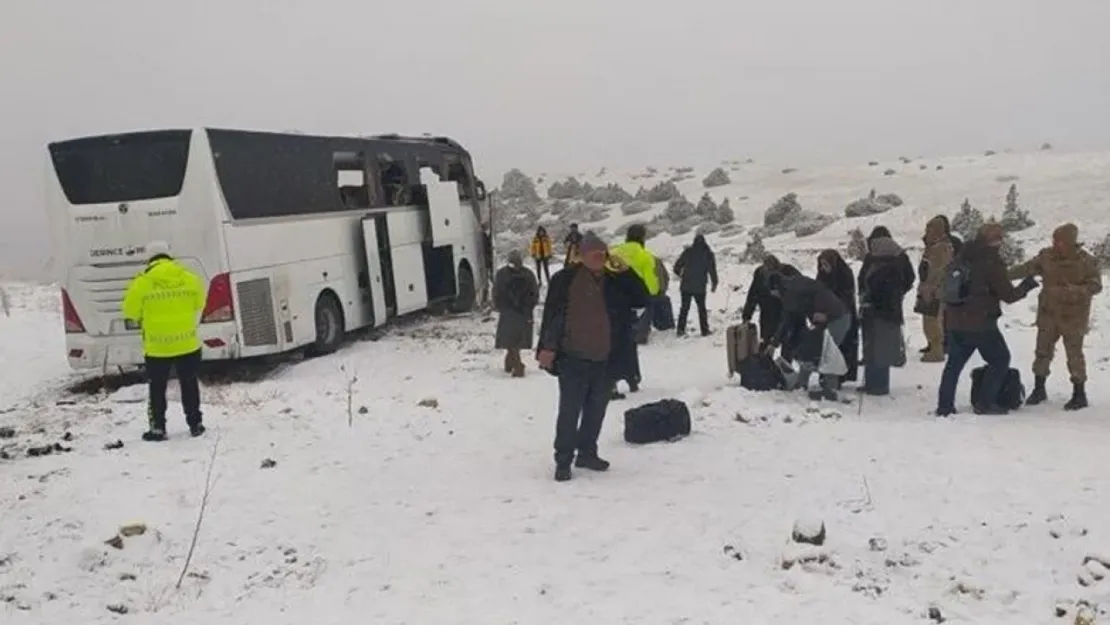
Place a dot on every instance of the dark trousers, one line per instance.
(158, 376)
(584, 389)
(684, 311)
(542, 265)
(962, 345)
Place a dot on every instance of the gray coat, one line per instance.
(882, 343)
(514, 324)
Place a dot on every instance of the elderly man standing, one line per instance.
(166, 301)
(579, 343)
(1070, 280)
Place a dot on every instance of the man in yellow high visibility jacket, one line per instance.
(642, 262)
(166, 300)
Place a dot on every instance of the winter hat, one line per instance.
(1068, 234)
(991, 233)
(155, 249)
(591, 243)
(515, 258)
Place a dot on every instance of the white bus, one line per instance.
(300, 238)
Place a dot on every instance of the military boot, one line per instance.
(1078, 399)
(1039, 395)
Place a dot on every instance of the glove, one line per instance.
(1028, 284)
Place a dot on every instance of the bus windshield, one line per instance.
(122, 168)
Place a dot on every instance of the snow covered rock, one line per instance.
(516, 185)
(569, 189)
(890, 199)
(662, 192)
(889, 172)
(724, 213)
(611, 193)
(635, 207)
(716, 178)
(585, 213)
(1046, 146)
(812, 223)
(428, 402)
(809, 530)
(706, 207)
(864, 207)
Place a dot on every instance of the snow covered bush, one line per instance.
(679, 209)
(890, 199)
(679, 228)
(967, 221)
(569, 189)
(716, 178)
(707, 227)
(1046, 147)
(754, 252)
(1012, 250)
(857, 244)
(517, 185)
(865, 206)
(889, 172)
(706, 207)
(662, 192)
(724, 213)
(783, 210)
(812, 223)
(584, 212)
(1101, 252)
(611, 193)
(635, 207)
(1014, 219)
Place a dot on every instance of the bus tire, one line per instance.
(467, 296)
(329, 325)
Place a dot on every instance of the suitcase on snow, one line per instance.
(741, 341)
(662, 420)
(1012, 394)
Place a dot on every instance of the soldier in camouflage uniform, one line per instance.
(938, 254)
(1071, 279)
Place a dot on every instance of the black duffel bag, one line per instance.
(662, 420)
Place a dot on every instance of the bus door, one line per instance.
(443, 207)
(372, 248)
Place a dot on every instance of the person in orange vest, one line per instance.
(541, 251)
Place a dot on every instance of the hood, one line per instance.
(883, 247)
(699, 242)
(833, 258)
(1067, 235)
(936, 230)
(166, 274)
(879, 232)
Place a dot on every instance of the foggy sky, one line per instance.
(555, 85)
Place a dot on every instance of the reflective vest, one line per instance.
(639, 260)
(541, 248)
(166, 301)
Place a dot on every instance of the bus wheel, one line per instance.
(329, 326)
(468, 295)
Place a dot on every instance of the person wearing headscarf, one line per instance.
(515, 295)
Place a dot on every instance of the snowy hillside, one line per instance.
(1053, 186)
(407, 479)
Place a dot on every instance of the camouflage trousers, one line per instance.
(1047, 337)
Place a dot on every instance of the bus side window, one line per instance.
(395, 181)
(350, 176)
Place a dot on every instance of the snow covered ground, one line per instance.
(408, 480)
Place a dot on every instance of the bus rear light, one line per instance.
(69, 314)
(219, 307)
(214, 343)
(76, 353)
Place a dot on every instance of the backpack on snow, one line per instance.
(1011, 396)
(760, 372)
(957, 283)
(664, 420)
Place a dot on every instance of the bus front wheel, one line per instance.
(329, 325)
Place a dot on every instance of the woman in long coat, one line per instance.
(515, 295)
(884, 283)
(834, 273)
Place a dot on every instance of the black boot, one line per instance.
(1039, 395)
(591, 462)
(1078, 399)
(562, 472)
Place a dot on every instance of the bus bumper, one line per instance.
(84, 352)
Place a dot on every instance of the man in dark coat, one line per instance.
(834, 273)
(884, 279)
(515, 295)
(697, 268)
(805, 299)
(905, 265)
(581, 342)
(973, 324)
(759, 296)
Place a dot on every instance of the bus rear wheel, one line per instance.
(468, 295)
(329, 326)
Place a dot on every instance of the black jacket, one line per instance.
(759, 296)
(884, 285)
(697, 266)
(802, 298)
(624, 292)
